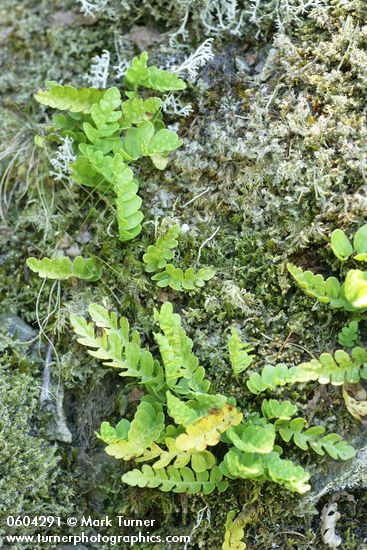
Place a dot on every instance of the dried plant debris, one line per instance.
(329, 519)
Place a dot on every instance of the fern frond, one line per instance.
(136, 110)
(234, 532)
(89, 269)
(181, 480)
(237, 464)
(177, 279)
(200, 461)
(183, 373)
(349, 334)
(146, 427)
(157, 255)
(68, 98)
(284, 410)
(331, 443)
(187, 412)
(116, 348)
(334, 369)
(239, 353)
(139, 74)
(207, 431)
(252, 438)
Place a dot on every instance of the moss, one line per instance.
(30, 470)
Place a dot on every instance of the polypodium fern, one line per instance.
(179, 453)
(239, 353)
(146, 427)
(352, 294)
(116, 348)
(343, 249)
(271, 466)
(315, 438)
(107, 133)
(157, 254)
(177, 279)
(139, 74)
(182, 480)
(68, 98)
(234, 532)
(334, 369)
(89, 269)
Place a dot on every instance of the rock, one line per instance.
(16, 328)
(144, 36)
(350, 475)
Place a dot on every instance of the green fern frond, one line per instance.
(68, 98)
(187, 412)
(139, 74)
(331, 443)
(157, 255)
(239, 353)
(252, 438)
(183, 373)
(349, 334)
(177, 279)
(181, 480)
(89, 269)
(284, 410)
(237, 464)
(334, 369)
(116, 348)
(234, 532)
(146, 427)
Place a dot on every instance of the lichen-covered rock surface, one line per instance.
(274, 158)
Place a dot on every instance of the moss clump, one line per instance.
(29, 466)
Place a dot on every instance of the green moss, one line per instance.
(29, 468)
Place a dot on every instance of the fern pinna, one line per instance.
(107, 134)
(179, 422)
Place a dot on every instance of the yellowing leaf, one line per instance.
(207, 430)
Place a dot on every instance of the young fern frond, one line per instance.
(139, 74)
(239, 353)
(89, 269)
(146, 427)
(315, 438)
(272, 408)
(237, 464)
(177, 279)
(349, 334)
(234, 532)
(157, 255)
(182, 370)
(182, 480)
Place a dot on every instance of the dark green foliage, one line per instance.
(29, 466)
